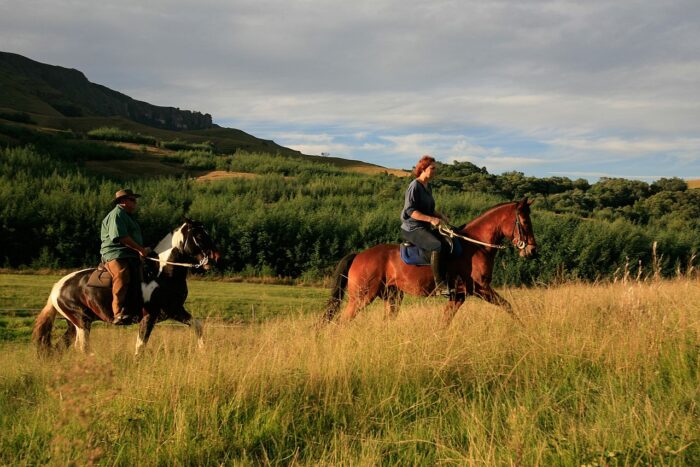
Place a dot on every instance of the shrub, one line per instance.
(179, 145)
(20, 117)
(117, 134)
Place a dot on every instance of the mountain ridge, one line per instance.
(40, 97)
(54, 90)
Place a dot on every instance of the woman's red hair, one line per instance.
(423, 164)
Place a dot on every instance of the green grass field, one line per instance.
(605, 374)
(22, 296)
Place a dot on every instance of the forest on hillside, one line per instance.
(297, 218)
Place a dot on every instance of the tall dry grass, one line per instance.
(597, 374)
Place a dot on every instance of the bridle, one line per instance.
(520, 244)
(202, 262)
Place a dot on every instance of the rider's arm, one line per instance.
(129, 242)
(442, 216)
(419, 216)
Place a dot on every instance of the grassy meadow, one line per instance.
(23, 295)
(602, 374)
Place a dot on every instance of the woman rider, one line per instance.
(419, 214)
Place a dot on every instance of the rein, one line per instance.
(451, 233)
(204, 261)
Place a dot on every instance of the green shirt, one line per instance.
(117, 224)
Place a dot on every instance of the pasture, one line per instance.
(605, 374)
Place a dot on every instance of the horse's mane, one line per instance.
(166, 242)
(491, 209)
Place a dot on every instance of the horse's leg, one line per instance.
(82, 337)
(185, 317)
(451, 308)
(392, 301)
(353, 306)
(69, 336)
(488, 294)
(199, 332)
(145, 328)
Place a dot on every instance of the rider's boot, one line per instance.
(126, 290)
(436, 264)
(122, 317)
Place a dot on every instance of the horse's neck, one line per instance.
(173, 272)
(488, 227)
(169, 250)
(173, 239)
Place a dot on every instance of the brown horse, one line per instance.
(163, 296)
(380, 272)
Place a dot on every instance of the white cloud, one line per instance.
(390, 80)
(632, 147)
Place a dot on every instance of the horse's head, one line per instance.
(196, 243)
(523, 235)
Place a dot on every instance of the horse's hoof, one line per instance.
(124, 320)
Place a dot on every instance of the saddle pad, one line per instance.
(100, 277)
(413, 255)
(416, 256)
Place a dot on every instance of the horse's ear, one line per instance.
(187, 220)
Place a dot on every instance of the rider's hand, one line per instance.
(146, 251)
(435, 221)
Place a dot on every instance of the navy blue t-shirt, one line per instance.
(417, 198)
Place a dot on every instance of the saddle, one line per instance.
(100, 277)
(416, 256)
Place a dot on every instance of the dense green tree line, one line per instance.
(665, 201)
(297, 219)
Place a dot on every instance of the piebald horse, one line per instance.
(164, 296)
(380, 272)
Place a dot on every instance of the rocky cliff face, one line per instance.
(32, 85)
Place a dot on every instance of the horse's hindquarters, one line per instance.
(78, 302)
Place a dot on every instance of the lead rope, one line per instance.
(204, 261)
(450, 233)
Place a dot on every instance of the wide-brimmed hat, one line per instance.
(121, 194)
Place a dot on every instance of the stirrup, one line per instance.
(441, 290)
(123, 319)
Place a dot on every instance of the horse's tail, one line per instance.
(340, 282)
(41, 335)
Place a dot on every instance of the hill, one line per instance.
(34, 87)
(41, 98)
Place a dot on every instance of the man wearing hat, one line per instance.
(120, 250)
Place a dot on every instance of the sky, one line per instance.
(581, 89)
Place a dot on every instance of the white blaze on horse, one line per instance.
(163, 296)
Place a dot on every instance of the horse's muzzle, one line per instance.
(214, 257)
(530, 251)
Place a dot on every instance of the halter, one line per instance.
(520, 244)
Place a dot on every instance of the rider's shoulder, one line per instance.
(414, 185)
